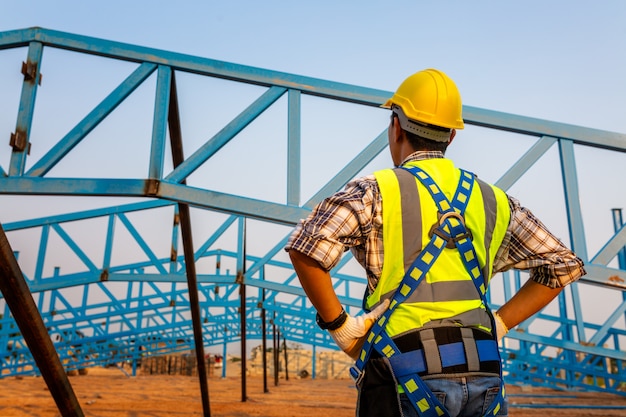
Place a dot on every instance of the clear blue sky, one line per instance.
(557, 60)
(560, 60)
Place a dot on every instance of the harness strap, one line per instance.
(451, 231)
(471, 350)
(418, 392)
(433, 357)
(415, 362)
(464, 245)
(458, 205)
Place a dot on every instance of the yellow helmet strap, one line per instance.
(420, 129)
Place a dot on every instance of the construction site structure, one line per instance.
(134, 246)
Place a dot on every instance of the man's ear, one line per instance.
(452, 135)
(396, 130)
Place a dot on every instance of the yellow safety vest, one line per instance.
(447, 295)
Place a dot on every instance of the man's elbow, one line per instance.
(294, 255)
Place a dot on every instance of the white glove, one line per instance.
(351, 335)
(501, 328)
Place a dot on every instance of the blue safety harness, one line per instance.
(450, 231)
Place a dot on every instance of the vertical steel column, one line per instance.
(19, 299)
(264, 338)
(293, 147)
(174, 250)
(275, 351)
(190, 262)
(313, 362)
(20, 140)
(242, 304)
(136, 349)
(618, 222)
(286, 360)
(224, 356)
(578, 244)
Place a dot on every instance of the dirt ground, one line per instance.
(110, 393)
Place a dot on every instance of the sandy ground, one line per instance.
(110, 393)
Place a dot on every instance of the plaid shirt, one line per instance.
(352, 219)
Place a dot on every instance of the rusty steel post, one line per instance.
(286, 359)
(173, 119)
(275, 352)
(194, 304)
(19, 299)
(241, 273)
(242, 317)
(264, 338)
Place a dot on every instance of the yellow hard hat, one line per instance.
(430, 97)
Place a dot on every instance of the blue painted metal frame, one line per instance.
(104, 313)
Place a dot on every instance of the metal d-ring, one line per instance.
(449, 214)
(450, 240)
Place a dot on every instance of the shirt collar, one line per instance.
(422, 155)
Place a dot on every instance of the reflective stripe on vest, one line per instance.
(447, 295)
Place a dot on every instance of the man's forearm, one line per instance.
(317, 285)
(531, 298)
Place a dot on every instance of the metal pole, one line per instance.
(19, 299)
(275, 351)
(194, 304)
(264, 340)
(313, 362)
(618, 222)
(286, 361)
(20, 140)
(242, 295)
(242, 307)
(190, 263)
(224, 356)
(242, 304)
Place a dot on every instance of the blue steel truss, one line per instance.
(127, 297)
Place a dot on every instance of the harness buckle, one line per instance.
(437, 229)
(357, 375)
